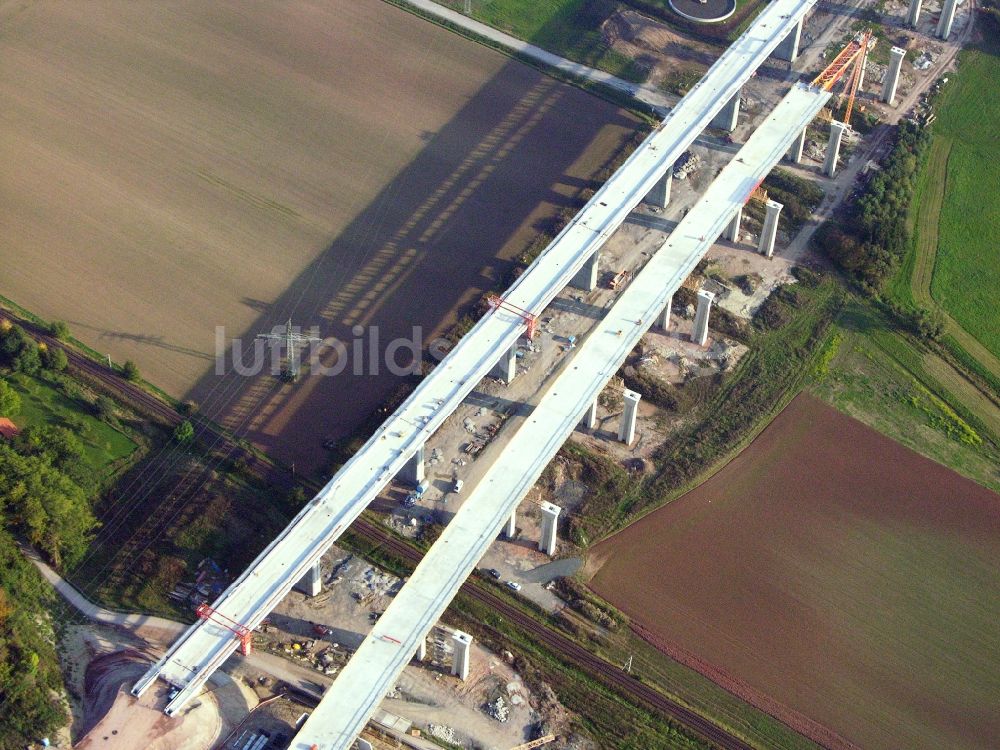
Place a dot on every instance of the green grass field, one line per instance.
(877, 376)
(571, 28)
(41, 404)
(967, 267)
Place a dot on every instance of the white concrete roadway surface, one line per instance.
(374, 668)
(649, 95)
(206, 645)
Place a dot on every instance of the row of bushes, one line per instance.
(868, 238)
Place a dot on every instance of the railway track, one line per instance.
(572, 652)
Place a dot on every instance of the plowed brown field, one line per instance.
(835, 571)
(170, 167)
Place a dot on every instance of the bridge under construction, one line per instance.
(397, 446)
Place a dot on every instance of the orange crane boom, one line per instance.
(854, 54)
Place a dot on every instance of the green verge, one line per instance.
(967, 269)
(767, 377)
(105, 448)
(891, 382)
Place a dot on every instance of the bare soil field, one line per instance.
(831, 571)
(173, 167)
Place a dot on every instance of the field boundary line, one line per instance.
(925, 249)
(797, 721)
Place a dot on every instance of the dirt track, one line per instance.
(181, 166)
(835, 571)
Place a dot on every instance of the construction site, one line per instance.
(643, 301)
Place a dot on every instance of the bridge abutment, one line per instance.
(550, 524)
(769, 232)
(733, 229)
(626, 430)
(700, 333)
(659, 196)
(506, 368)
(729, 115)
(462, 655)
(586, 277)
(833, 148)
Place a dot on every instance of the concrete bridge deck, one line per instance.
(294, 553)
(375, 667)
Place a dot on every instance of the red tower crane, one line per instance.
(499, 303)
(242, 632)
(854, 54)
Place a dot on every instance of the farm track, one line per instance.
(573, 653)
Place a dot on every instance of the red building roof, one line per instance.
(7, 428)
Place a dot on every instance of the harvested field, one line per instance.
(835, 572)
(174, 167)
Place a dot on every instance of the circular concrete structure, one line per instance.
(709, 11)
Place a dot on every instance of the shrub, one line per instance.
(130, 371)
(59, 329)
(10, 400)
(184, 432)
(54, 358)
(104, 408)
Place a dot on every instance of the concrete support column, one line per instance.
(913, 17)
(833, 148)
(550, 523)
(700, 333)
(460, 660)
(626, 430)
(664, 320)
(586, 277)
(413, 471)
(861, 73)
(422, 650)
(659, 196)
(311, 584)
(506, 368)
(510, 530)
(896, 56)
(733, 230)
(728, 115)
(947, 18)
(789, 47)
(590, 416)
(794, 154)
(770, 231)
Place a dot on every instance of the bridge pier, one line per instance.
(461, 657)
(586, 277)
(770, 230)
(659, 196)
(422, 649)
(729, 115)
(510, 529)
(794, 154)
(550, 523)
(413, 472)
(947, 18)
(833, 148)
(896, 56)
(311, 584)
(506, 368)
(913, 16)
(664, 320)
(589, 420)
(700, 333)
(626, 430)
(733, 230)
(789, 47)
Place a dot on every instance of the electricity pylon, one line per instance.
(292, 339)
